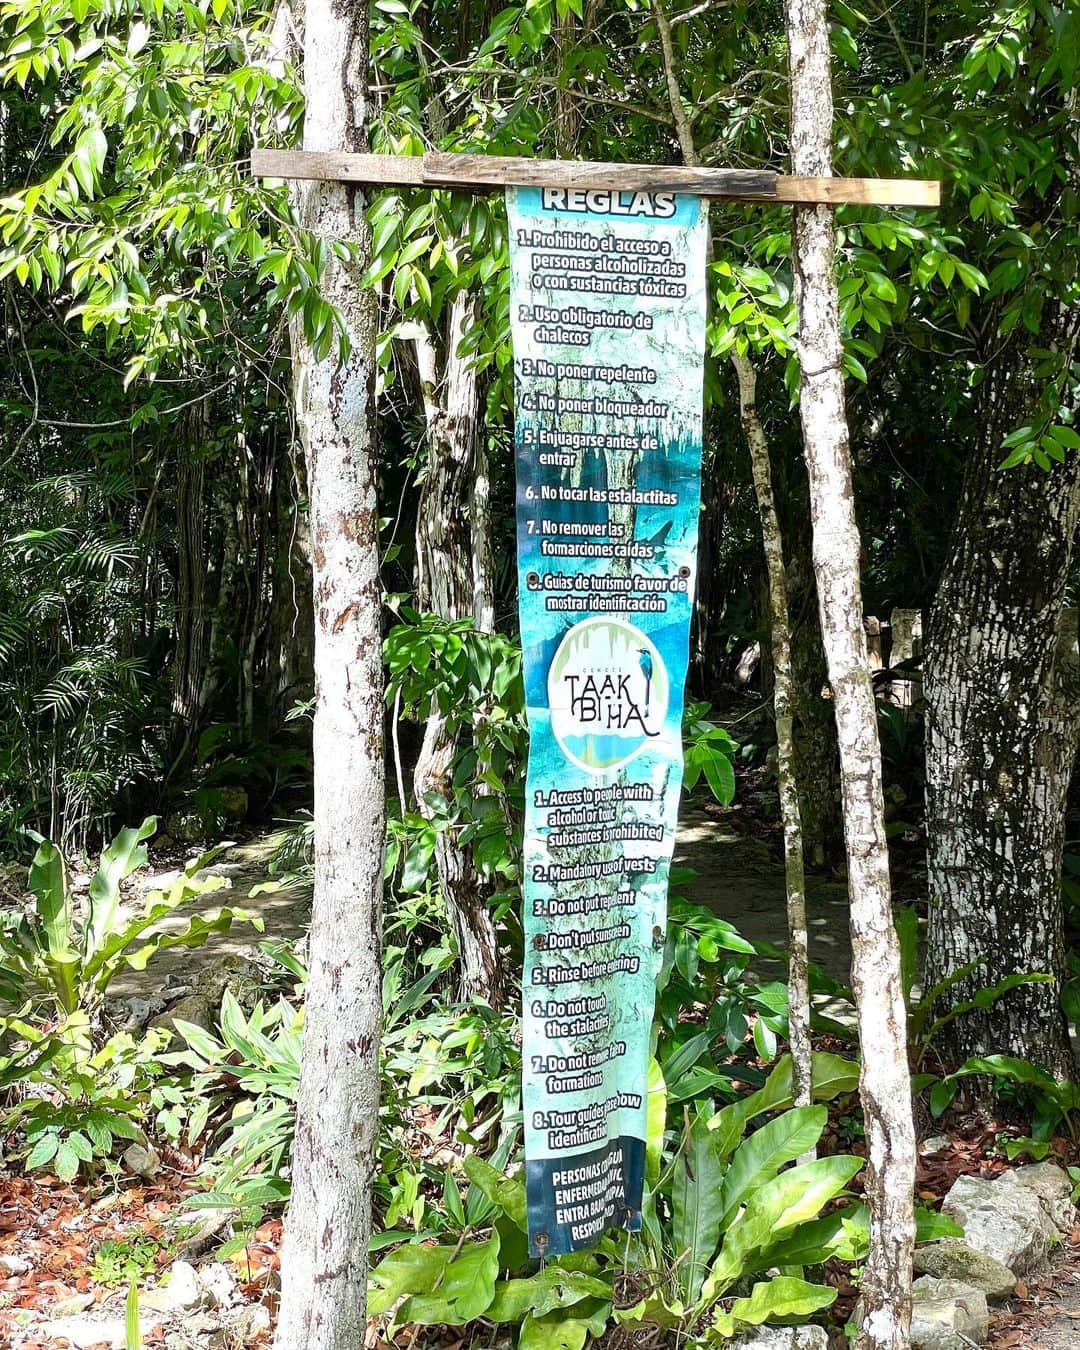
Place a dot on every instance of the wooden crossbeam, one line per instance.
(483, 173)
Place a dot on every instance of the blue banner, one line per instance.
(608, 323)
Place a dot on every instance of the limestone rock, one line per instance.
(190, 825)
(1054, 1188)
(200, 1008)
(180, 1291)
(1004, 1219)
(951, 1259)
(89, 1331)
(253, 1320)
(947, 1315)
(218, 1284)
(74, 1303)
(142, 1160)
(233, 802)
(783, 1338)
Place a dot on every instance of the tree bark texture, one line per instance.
(780, 631)
(448, 569)
(324, 1269)
(885, 1087)
(1002, 721)
(795, 879)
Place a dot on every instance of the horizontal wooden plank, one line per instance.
(339, 167)
(480, 173)
(498, 171)
(871, 191)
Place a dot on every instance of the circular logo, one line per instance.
(607, 692)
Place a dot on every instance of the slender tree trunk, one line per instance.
(780, 631)
(191, 636)
(324, 1269)
(817, 762)
(885, 1086)
(795, 879)
(1002, 721)
(446, 574)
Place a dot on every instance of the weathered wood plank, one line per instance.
(497, 171)
(871, 191)
(480, 173)
(326, 166)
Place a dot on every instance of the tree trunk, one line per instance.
(817, 764)
(324, 1269)
(884, 1084)
(1002, 720)
(447, 571)
(795, 879)
(780, 633)
(189, 662)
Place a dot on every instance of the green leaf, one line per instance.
(66, 1162)
(508, 1193)
(697, 1207)
(759, 1157)
(542, 1293)
(930, 1226)
(907, 930)
(125, 854)
(553, 1333)
(462, 1291)
(781, 1297)
(845, 1233)
(48, 881)
(133, 1339)
(655, 1120)
(1066, 437)
(199, 928)
(781, 1204)
(44, 1151)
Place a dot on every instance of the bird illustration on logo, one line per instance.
(645, 662)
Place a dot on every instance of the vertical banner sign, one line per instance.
(608, 323)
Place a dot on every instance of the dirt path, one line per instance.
(285, 913)
(740, 880)
(737, 878)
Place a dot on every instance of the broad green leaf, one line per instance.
(462, 1291)
(125, 854)
(781, 1204)
(907, 931)
(508, 1193)
(845, 1233)
(542, 1293)
(133, 1339)
(781, 1297)
(832, 1076)
(66, 1162)
(930, 1225)
(555, 1332)
(760, 1156)
(43, 1151)
(655, 1120)
(48, 882)
(194, 935)
(697, 1207)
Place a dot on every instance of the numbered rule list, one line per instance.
(608, 322)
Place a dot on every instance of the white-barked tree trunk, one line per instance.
(885, 1087)
(324, 1259)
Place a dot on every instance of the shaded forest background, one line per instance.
(155, 632)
